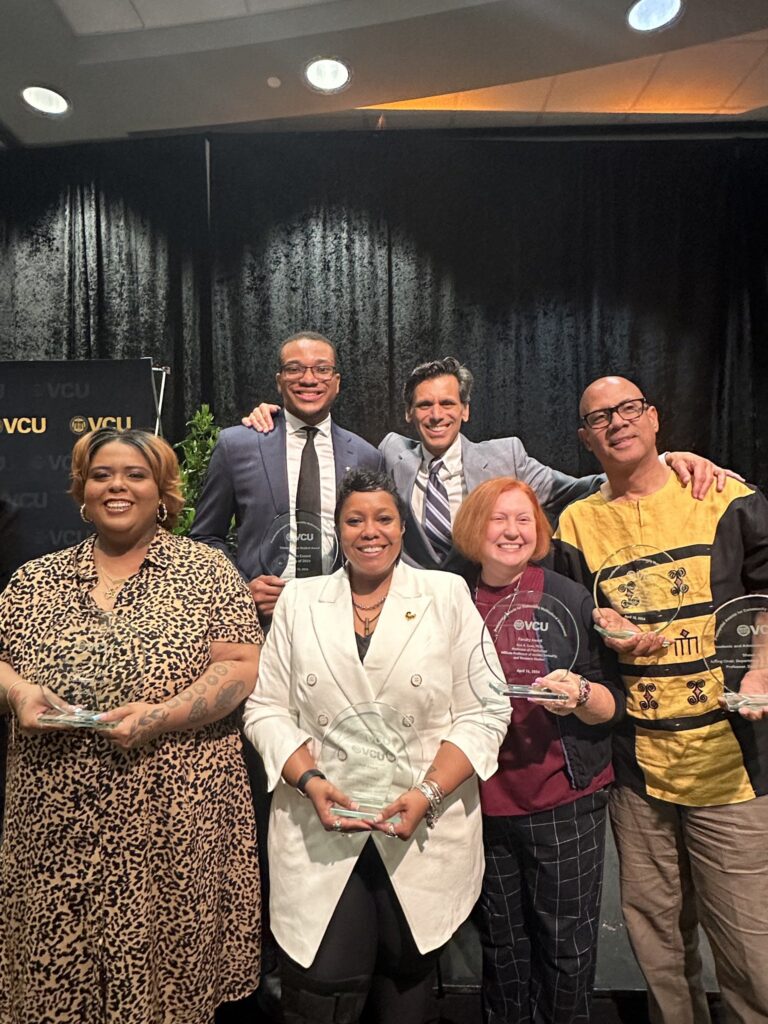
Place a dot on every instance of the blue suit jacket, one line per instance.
(248, 479)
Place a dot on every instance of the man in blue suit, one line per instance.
(255, 477)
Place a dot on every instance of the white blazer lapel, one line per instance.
(334, 632)
(397, 629)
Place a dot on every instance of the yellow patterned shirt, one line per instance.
(677, 744)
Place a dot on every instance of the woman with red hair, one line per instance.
(544, 811)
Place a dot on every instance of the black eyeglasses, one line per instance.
(295, 371)
(630, 411)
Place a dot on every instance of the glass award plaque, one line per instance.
(87, 665)
(739, 632)
(533, 634)
(642, 585)
(371, 752)
(313, 539)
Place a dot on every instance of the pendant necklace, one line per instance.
(369, 622)
(111, 586)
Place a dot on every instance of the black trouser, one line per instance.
(367, 967)
(539, 912)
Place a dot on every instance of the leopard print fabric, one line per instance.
(129, 888)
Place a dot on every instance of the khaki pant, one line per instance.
(681, 865)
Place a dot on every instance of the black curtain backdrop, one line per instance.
(542, 263)
(102, 255)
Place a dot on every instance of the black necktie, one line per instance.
(309, 537)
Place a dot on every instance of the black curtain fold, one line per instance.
(541, 263)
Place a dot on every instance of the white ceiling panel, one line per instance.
(165, 13)
(268, 6)
(614, 87)
(700, 78)
(752, 92)
(99, 17)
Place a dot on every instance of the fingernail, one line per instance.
(378, 818)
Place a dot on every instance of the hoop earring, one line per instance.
(83, 516)
(162, 512)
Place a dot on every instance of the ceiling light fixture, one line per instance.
(45, 101)
(327, 74)
(651, 15)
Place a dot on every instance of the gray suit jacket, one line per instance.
(504, 456)
(248, 478)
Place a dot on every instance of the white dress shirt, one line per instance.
(452, 475)
(295, 439)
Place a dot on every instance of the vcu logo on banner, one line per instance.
(23, 424)
(82, 424)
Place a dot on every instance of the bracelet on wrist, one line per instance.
(304, 778)
(9, 691)
(433, 793)
(585, 692)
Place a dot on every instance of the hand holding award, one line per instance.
(739, 653)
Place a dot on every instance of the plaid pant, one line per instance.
(538, 912)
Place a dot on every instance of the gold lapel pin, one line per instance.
(410, 615)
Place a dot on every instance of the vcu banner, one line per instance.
(44, 408)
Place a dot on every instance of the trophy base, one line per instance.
(514, 690)
(617, 634)
(363, 813)
(736, 701)
(75, 720)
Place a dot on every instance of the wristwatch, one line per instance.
(310, 773)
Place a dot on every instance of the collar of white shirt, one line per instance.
(452, 463)
(294, 424)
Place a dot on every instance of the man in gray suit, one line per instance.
(437, 396)
(434, 473)
(255, 477)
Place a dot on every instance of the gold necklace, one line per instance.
(114, 585)
(369, 624)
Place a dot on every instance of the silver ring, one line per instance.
(336, 826)
(391, 831)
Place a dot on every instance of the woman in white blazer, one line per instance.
(360, 907)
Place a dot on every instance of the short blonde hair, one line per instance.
(471, 523)
(158, 453)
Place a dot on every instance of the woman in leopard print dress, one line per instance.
(129, 886)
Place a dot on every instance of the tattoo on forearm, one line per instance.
(147, 724)
(431, 769)
(228, 696)
(220, 668)
(199, 710)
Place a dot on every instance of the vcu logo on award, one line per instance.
(23, 424)
(82, 424)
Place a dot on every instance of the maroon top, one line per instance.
(532, 769)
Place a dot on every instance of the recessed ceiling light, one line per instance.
(327, 74)
(45, 101)
(274, 82)
(650, 15)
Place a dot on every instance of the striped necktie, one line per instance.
(437, 511)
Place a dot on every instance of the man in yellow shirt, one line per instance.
(689, 809)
